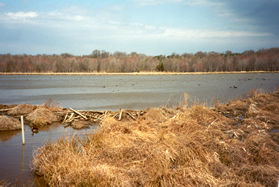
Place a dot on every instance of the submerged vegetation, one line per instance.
(230, 145)
(102, 61)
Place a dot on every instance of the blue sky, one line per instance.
(145, 26)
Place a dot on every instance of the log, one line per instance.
(77, 112)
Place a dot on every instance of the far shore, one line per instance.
(134, 73)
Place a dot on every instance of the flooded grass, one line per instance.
(230, 145)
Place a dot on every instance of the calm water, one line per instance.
(107, 93)
(15, 159)
(131, 92)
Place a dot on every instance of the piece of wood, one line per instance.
(70, 118)
(65, 117)
(5, 110)
(77, 112)
(131, 115)
(120, 115)
(91, 111)
(22, 130)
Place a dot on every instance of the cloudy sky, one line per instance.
(144, 26)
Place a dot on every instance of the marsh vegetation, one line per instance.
(231, 144)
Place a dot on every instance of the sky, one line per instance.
(150, 27)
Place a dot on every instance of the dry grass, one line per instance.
(42, 116)
(9, 123)
(21, 109)
(172, 147)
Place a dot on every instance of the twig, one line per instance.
(77, 112)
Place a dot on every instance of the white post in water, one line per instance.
(22, 130)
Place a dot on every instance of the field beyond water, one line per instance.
(233, 144)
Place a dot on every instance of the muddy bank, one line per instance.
(233, 144)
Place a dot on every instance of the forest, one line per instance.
(103, 61)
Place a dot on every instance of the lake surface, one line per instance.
(110, 92)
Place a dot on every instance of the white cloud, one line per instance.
(58, 15)
(107, 27)
(155, 2)
(201, 34)
(21, 15)
(86, 29)
(150, 32)
(202, 3)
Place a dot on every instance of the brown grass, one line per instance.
(9, 123)
(172, 147)
(42, 116)
(21, 109)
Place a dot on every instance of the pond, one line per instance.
(112, 92)
(107, 92)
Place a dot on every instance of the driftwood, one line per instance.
(69, 115)
(99, 112)
(131, 115)
(65, 117)
(5, 110)
(77, 112)
(120, 115)
(70, 118)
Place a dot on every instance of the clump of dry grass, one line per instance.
(167, 147)
(42, 116)
(9, 123)
(21, 109)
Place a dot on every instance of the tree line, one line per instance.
(102, 61)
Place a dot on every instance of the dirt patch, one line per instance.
(9, 123)
(42, 116)
(21, 109)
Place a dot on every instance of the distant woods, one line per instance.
(102, 61)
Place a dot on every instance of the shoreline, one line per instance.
(133, 73)
(232, 144)
(230, 138)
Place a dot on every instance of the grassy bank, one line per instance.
(230, 145)
(133, 73)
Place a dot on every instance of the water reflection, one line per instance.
(129, 91)
(22, 160)
(107, 93)
(6, 135)
(15, 158)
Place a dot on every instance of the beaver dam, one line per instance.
(234, 144)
